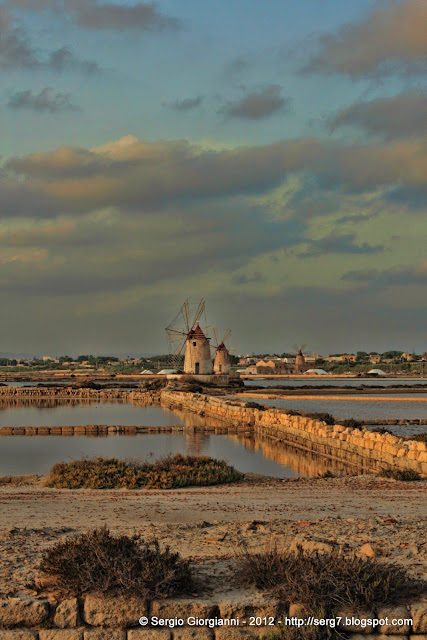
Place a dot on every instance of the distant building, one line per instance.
(348, 357)
(375, 358)
(409, 357)
(271, 367)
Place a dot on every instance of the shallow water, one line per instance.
(50, 413)
(37, 454)
(361, 409)
(334, 382)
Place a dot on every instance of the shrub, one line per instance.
(352, 423)
(255, 405)
(327, 581)
(406, 475)
(166, 473)
(420, 437)
(96, 561)
(322, 417)
(382, 430)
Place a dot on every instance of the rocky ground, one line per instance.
(375, 517)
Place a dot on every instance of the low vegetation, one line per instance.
(324, 584)
(407, 475)
(97, 561)
(167, 473)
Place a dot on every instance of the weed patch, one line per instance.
(407, 475)
(97, 561)
(326, 581)
(167, 473)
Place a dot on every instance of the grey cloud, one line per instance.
(257, 105)
(64, 60)
(389, 40)
(45, 101)
(248, 279)
(16, 52)
(135, 175)
(187, 104)
(15, 49)
(335, 243)
(90, 14)
(400, 116)
(377, 279)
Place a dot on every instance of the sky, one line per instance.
(269, 157)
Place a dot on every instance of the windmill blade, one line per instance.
(226, 335)
(296, 347)
(215, 333)
(303, 346)
(185, 310)
(199, 312)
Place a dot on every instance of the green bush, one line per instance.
(96, 561)
(167, 473)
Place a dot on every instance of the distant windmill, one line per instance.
(299, 359)
(222, 363)
(188, 341)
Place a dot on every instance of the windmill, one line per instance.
(299, 360)
(222, 362)
(187, 340)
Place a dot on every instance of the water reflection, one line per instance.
(261, 455)
(52, 412)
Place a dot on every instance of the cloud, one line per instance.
(257, 105)
(15, 50)
(136, 175)
(396, 117)
(64, 60)
(336, 243)
(45, 101)
(389, 40)
(187, 104)
(90, 14)
(397, 276)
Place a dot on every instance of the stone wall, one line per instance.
(361, 448)
(101, 617)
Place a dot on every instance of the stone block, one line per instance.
(116, 612)
(183, 608)
(193, 633)
(28, 613)
(67, 614)
(233, 633)
(262, 606)
(418, 613)
(149, 634)
(418, 636)
(60, 634)
(398, 612)
(104, 634)
(18, 634)
(351, 617)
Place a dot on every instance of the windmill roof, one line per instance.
(196, 332)
(221, 347)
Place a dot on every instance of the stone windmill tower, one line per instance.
(190, 340)
(222, 363)
(300, 366)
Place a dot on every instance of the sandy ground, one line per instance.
(208, 524)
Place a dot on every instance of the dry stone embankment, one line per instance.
(361, 448)
(102, 617)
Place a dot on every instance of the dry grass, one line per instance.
(326, 581)
(167, 473)
(96, 561)
(407, 475)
